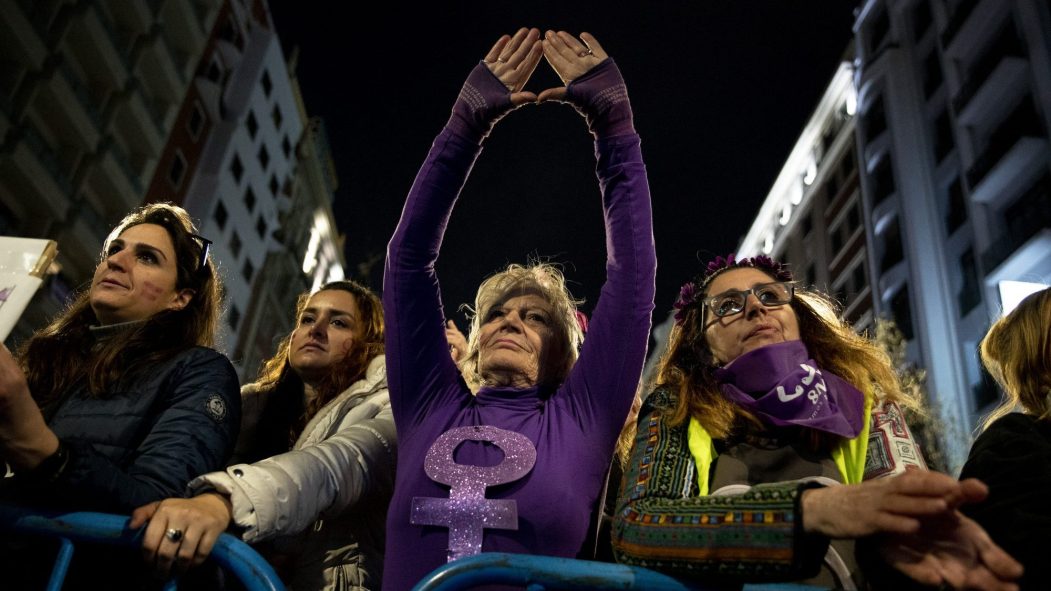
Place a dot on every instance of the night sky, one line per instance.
(720, 92)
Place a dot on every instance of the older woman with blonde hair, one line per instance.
(774, 429)
(1013, 453)
(511, 456)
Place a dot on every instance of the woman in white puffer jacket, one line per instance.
(316, 452)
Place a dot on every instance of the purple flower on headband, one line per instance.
(778, 270)
(690, 293)
(720, 263)
(687, 297)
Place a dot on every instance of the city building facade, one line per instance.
(89, 94)
(931, 206)
(954, 113)
(109, 104)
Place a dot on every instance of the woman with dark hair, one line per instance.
(511, 455)
(119, 401)
(318, 448)
(774, 429)
(1013, 453)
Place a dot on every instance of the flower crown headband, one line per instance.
(690, 292)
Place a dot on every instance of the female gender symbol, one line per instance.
(466, 512)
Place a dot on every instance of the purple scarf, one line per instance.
(781, 385)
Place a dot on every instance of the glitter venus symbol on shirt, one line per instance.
(467, 512)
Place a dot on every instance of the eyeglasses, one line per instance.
(733, 301)
(206, 246)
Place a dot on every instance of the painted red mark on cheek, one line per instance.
(151, 291)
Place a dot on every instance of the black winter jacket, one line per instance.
(146, 441)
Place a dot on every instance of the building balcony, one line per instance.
(112, 182)
(1003, 178)
(138, 122)
(136, 17)
(156, 66)
(960, 18)
(21, 43)
(1029, 216)
(981, 99)
(82, 242)
(95, 45)
(32, 176)
(65, 107)
(186, 27)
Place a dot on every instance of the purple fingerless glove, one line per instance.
(482, 102)
(600, 95)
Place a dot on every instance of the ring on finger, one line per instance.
(173, 534)
(501, 60)
(586, 52)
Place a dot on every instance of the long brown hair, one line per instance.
(65, 353)
(1017, 353)
(286, 413)
(687, 368)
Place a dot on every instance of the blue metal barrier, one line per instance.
(542, 573)
(230, 553)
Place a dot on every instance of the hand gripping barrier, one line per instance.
(542, 573)
(230, 553)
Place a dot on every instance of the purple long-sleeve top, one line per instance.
(573, 428)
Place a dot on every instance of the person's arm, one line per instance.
(321, 480)
(780, 531)
(661, 523)
(317, 481)
(418, 361)
(602, 384)
(192, 431)
(26, 442)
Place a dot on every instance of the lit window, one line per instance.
(1013, 292)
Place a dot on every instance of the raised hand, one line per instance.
(494, 87)
(571, 58)
(181, 532)
(593, 84)
(513, 59)
(457, 341)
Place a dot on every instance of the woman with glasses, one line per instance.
(120, 401)
(775, 429)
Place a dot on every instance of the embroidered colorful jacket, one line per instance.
(665, 523)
